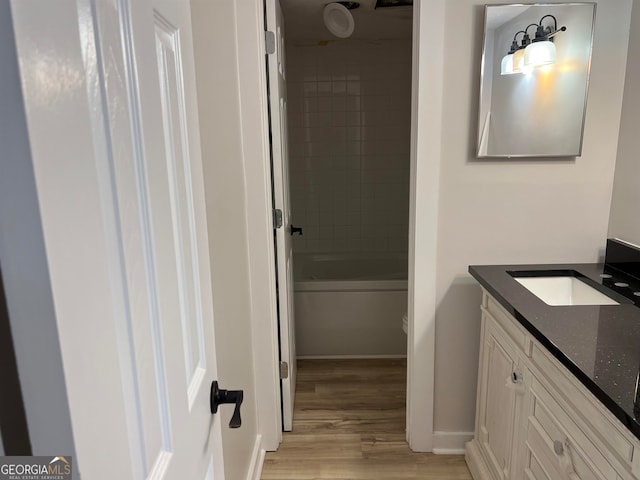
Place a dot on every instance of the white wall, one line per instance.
(24, 267)
(349, 104)
(214, 29)
(624, 222)
(493, 212)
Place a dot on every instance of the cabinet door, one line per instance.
(554, 444)
(500, 391)
(534, 469)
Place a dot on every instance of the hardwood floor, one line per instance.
(349, 424)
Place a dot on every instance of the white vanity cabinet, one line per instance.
(497, 399)
(534, 419)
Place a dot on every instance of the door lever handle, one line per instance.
(219, 396)
(295, 230)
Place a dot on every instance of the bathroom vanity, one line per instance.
(557, 383)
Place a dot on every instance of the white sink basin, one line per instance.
(564, 291)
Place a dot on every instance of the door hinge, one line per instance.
(269, 42)
(284, 370)
(277, 218)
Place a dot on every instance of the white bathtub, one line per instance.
(350, 305)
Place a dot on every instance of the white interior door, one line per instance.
(111, 106)
(284, 248)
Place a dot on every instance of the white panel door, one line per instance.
(284, 247)
(135, 196)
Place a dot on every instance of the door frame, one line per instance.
(428, 60)
(426, 145)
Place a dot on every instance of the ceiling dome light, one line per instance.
(338, 20)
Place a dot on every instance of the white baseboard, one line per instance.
(347, 357)
(450, 443)
(257, 460)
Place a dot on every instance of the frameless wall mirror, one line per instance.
(534, 79)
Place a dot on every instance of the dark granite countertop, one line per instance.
(599, 344)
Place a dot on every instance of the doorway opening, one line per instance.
(349, 145)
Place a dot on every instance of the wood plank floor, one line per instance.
(349, 424)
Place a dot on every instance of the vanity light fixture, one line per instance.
(542, 51)
(507, 67)
(534, 53)
(513, 62)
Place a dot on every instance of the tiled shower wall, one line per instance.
(349, 105)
